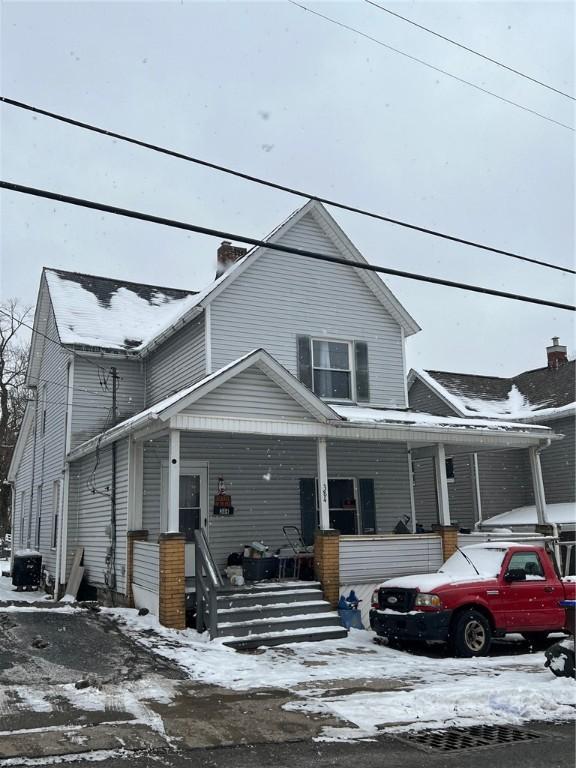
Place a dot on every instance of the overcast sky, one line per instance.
(274, 91)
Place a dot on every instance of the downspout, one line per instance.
(541, 504)
(477, 495)
(552, 526)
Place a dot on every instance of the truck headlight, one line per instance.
(425, 600)
(375, 599)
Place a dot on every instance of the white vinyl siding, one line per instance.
(177, 363)
(250, 394)
(89, 513)
(282, 296)
(263, 477)
(92, 394)
(43, 458)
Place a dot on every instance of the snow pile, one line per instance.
(510, 697)
(436, 692)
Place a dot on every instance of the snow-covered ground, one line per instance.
(8, 592)
(423, 692)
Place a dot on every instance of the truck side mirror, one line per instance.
(515, 574)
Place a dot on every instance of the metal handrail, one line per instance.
(208, 580)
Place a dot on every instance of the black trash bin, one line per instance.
(26, 570)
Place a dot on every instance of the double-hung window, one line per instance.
(332, 369)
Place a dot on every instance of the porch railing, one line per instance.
(208, 580)
(371, 559)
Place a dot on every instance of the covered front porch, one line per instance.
(249, 450)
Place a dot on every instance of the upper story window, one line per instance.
(334, 369)
(450, 476)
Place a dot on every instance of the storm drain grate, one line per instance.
(455, 739)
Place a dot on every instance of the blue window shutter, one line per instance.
(308, 514)
(367, 506)
(305, 360)
(361, 362)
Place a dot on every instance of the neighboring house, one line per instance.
(488, 484)
(284, 376)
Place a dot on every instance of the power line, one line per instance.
(431, 66)
(87, 406)
(272, 246)
(470, 50)
(75, 389)
(58, 343)
(281, 187)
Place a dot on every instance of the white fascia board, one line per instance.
(21, 442)
(438, 390)
(40, 326)
(343, 431)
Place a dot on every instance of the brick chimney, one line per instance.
(228, 254)
(557, 354)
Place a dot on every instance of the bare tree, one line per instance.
(13, 394)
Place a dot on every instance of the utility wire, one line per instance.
(431, 66)
(470, 50)
(58, 343)
(65, 386)
(274, 185)
(272, 246)
(88, 406)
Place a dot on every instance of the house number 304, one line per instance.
(324, 492)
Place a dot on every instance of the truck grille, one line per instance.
(400, 600)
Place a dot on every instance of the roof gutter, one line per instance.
(117, 433)
(172, 328)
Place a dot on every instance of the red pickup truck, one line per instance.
(482, 591)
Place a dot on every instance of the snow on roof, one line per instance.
(561, 514)
(113, 314)
(366, 415)
(542, 393)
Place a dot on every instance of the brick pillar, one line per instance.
(172, 590)
(449, 536)
(132, 536)
(327, 564)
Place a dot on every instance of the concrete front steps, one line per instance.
(274, 613)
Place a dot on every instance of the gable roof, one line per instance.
(113, 314)
(134, 318)
(532, 395)
(170, 406)
(341, 242)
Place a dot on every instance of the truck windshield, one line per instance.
(487, 561)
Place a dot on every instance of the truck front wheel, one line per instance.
(471, 634)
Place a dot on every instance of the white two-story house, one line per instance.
(284, 381)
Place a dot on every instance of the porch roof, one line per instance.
(298, 412)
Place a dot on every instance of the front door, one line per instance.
(342, 503)
(193, 505)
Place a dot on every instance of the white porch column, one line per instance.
(174, 482)
(441, 484)
(323, 484)
(538, 483)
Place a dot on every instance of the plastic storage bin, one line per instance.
(260, 568)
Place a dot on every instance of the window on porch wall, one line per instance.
(351, 502)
